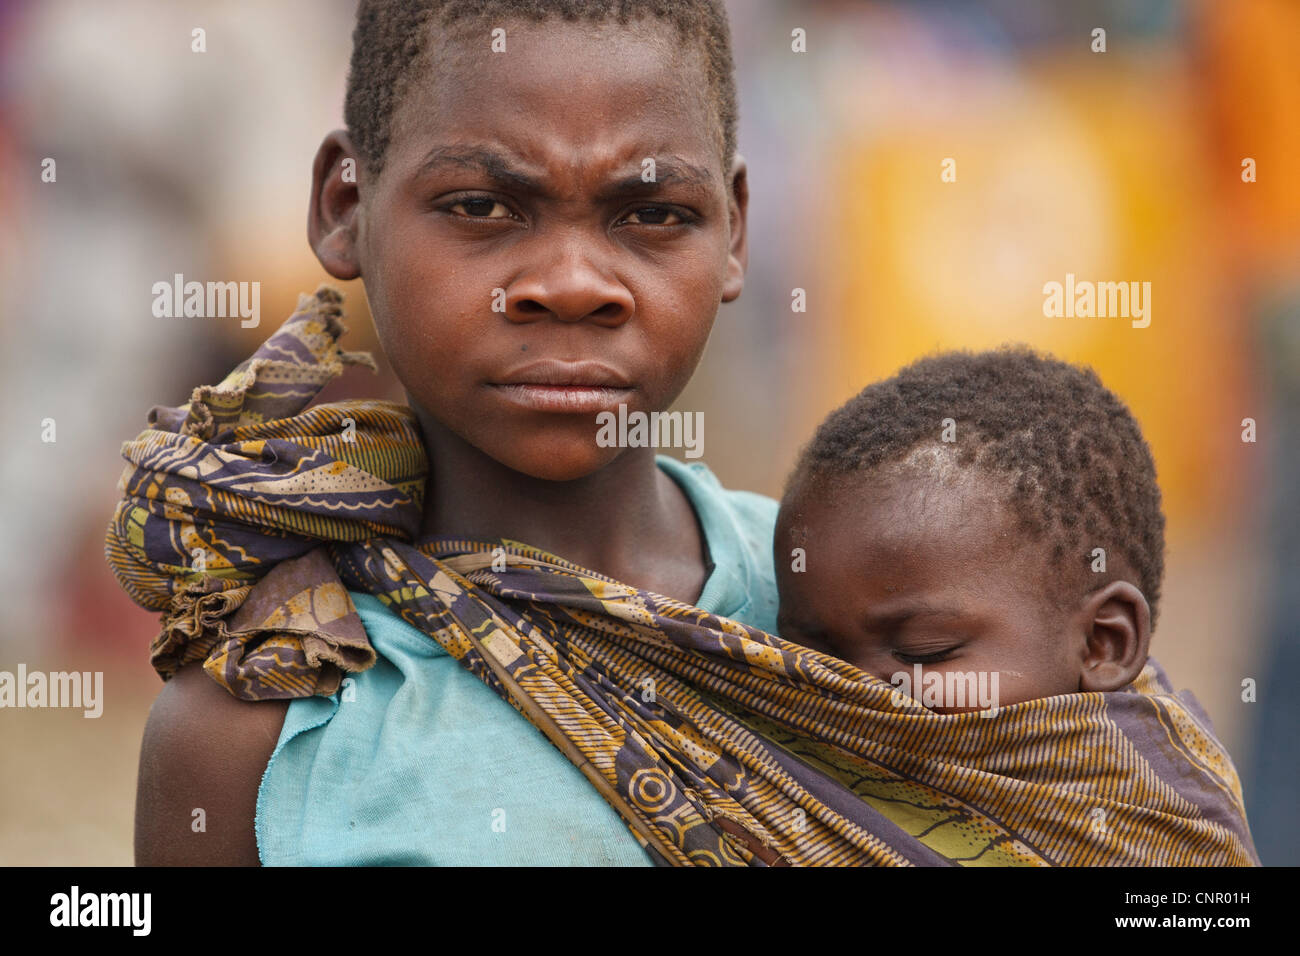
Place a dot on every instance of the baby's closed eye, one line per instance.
(924, 656)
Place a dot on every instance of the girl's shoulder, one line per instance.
(739, 527)
(750, 511)
(201, 762)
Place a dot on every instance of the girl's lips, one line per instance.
(571, 399)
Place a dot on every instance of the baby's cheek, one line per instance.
(1016, 686)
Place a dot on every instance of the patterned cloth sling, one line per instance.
(246, 519)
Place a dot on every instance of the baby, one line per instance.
(979, 530)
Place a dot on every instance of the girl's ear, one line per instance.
(738, 206)
(1116, 621)
(332, 217)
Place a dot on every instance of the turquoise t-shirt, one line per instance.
(426, 765)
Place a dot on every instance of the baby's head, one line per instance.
(977, 513)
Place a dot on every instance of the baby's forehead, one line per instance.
(911, 535)
(891, 514)
(919, 485)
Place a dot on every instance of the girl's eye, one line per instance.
(481, 207)
(655, 216)
(485, 207)
(933, 658)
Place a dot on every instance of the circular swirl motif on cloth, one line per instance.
(651, 790)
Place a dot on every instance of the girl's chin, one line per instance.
(555, 462)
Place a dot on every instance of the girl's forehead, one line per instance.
(554, 76)
(566, 56)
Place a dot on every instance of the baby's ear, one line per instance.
(1116, 621)
(335, 205)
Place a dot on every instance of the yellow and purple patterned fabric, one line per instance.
(246, 519)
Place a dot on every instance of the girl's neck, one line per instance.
(628, 520)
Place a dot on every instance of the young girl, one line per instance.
(524, 274)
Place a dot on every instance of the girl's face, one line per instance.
(522, 273)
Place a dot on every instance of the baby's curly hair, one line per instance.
(390, 45)
(1080, 472)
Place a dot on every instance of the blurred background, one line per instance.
(1115, 166)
